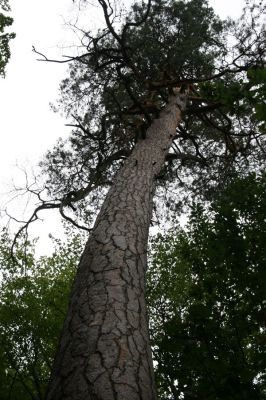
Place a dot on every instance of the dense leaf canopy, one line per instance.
(206, 290)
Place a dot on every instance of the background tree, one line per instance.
(206, 294)
(141, 75)
(4, 37)
(33, 302)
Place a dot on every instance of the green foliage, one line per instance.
(256, 94)
(241, 97)
(5, 21)
(207, 300)
(33, 299)
(183, 39)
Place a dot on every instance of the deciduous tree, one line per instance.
(33, 301)
(207, 299)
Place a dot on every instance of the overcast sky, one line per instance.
(27, 125)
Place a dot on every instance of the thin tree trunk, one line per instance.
(104, 353)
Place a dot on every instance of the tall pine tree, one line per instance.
(158, 95)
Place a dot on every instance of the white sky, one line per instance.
(27, 125)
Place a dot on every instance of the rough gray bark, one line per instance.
(104, 353)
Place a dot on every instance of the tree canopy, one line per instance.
(5, 21)
(124, 75)
(206, 293)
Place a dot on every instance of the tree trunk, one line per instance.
(104, 353)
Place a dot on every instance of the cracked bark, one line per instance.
(104, 352)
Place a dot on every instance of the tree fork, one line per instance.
(104, 352)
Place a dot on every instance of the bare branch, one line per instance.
(68, 58)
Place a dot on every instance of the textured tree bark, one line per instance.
(104, 353)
